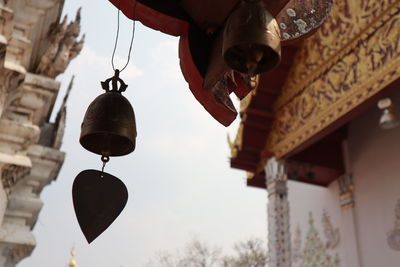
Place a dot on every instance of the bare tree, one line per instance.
(250, 253)
(199, 254)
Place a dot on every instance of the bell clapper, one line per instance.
(104, 159)
(254, 81)
(254, 57)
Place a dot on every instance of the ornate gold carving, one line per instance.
(331, 76)
(349, 22)
(346, 189)
(237, 144)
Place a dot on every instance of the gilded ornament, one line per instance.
(330, 79)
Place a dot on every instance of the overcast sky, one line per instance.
(179, 180)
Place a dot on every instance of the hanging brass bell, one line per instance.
(252, 43)
(109, 127)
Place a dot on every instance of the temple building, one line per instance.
(324, 142)
(36, 45)
(318, 132)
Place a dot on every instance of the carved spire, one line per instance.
(74, 27)
(59, 125)
(63, 48)
(60, 122)
(72, 262)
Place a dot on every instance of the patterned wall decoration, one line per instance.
(332, 234)
(314, 251)
(351, 58)
(393, 238)
(296, 247)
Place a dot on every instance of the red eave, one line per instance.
(200, 26)
(257, 118)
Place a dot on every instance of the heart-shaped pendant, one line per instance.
(98, 198)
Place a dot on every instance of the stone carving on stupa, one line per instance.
(11, 174)
(63, 48)
(35, 46)
(393, 238)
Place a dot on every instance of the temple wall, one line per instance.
(358, 223)
(375, 164)
(315, 210)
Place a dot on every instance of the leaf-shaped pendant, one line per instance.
(98, 198)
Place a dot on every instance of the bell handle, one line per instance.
(114, 82)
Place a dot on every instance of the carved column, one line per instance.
(278, 214)
(349, 223)
(349, 226)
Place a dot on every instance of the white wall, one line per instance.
(375, 163)
(306, 199)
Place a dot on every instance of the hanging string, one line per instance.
(117, 37)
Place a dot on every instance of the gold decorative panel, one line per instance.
(351, 58)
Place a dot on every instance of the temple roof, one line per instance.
(341, 71)
(200, 25)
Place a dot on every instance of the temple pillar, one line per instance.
(349, 224)
(278, 214)
(348, 220)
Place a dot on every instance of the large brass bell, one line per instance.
(109, 127)
(251, 43)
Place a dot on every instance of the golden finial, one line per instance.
(72, 262)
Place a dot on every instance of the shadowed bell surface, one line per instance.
(98, 199)
(109, 126)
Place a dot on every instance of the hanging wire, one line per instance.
(117, 37)
(104, 159)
